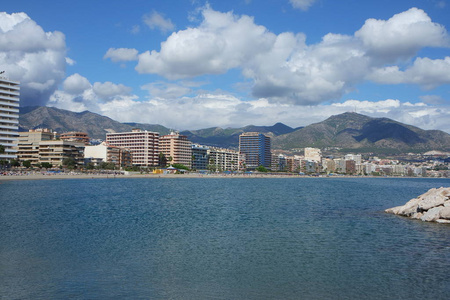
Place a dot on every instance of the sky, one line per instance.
(191, 64)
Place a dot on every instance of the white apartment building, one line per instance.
(144, 145)
(225, 159)
(313, 154)
(9, 117)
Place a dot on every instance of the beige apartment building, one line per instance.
(144, 145)
(177, 149)
(313, 154)
(9, 117)
(74, 136)
(55, 151)
(28, 147)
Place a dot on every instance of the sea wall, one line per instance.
(433, 206)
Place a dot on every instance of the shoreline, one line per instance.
(62, 176)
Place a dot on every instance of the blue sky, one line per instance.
(195, 64)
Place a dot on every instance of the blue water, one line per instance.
(296, 238)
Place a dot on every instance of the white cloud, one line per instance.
(121, 54)
(432, 99)
(402, 35)
(425, 72)
(32, 56)
(283, 68)
(302, 4)
(79, 94)
(166, 90)
(109, 91)
(76, 84)
(70, 61)
(156, 20)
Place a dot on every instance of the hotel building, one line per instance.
(144, 145)
(256, 148)
(199, 157)
(75, 137)
(9, 118)
(177, 149)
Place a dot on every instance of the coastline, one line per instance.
(62, 176)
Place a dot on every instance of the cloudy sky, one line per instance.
(190, 64)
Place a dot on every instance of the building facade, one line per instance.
(199, 157)
(177, 149)
(9, 118)
(313, 154)
(74, 136)
(256, 148)
(28, 147)
(120, 157)
(144, 145)
(56, 151)
(224, 159)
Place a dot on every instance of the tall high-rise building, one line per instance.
(144, 145)
(177, 149)
(256, 148)
(9, 118)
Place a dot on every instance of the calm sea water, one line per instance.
(299, 238)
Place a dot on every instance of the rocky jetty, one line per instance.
(433, 206)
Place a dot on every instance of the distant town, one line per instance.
(149, 152)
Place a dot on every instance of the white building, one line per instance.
(313, 154)
(224, 159)
(9, 117)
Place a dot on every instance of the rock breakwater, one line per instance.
(433, 206)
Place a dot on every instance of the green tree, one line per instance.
(2, 149)
(15, 163)
(27, 164)
(162, 160)
(180, 166)
(69, 162)
(46, 165)
(262, 169)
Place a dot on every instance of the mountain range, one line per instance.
(347, 131)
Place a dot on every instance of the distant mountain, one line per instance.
(229, 138)
(349, 131)
(363, 133)
(60, 120)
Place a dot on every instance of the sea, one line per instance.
(219, 238)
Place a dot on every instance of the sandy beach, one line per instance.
(50, 176)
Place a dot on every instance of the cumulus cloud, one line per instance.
(121, 54)
(156, 20)
(402, 35)
(283, 68)
(302, 4)
(32, 56)
(78, 94)
(425, 72)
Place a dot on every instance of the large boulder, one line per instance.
(432, 214)
(433, 205)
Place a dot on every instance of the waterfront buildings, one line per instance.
(120, 157)
(9, 118)
(56, 151)
(199, 157)
(177, 149)
(221, 159)
(28, 146)
(144, 145)
(256, 148)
